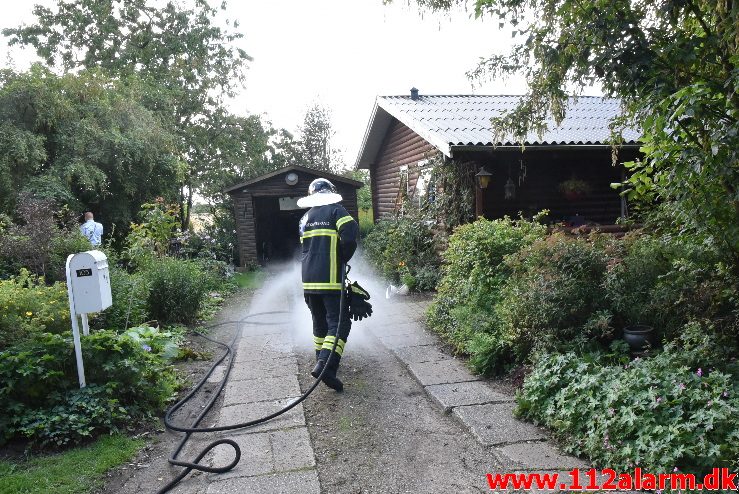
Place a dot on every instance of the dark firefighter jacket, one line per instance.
(328, 235)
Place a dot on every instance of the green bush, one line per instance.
(39, 388)
(674, 410)
(404, 246)
(366, 222)
(28, 306)
(130, 306)
(61, 247)
(555, 294)
(80, 415)
(218, 274)
(665, 283)
(633, 281)
(474, 273)
(177, 290)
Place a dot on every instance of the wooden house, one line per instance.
(267, 213)
(567, 170)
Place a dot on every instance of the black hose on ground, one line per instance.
(189, 466)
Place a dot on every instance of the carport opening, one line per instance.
(277, 235)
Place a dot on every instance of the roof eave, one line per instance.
(260, 178)
(514, 147)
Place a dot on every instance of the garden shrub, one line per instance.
(177, 289)
(79, 415)
(61, 247)
(28, 307)
(366, 222)
(665, 283)
(39, 240)
(130, 306)
(673, 410)
(633, 282)
(402, 248)
(218, 274)
(473, 275)
(213, 239)
(555, 294)
(39, 388)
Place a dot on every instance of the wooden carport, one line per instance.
(267, 215)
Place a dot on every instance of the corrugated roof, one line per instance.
(464, 120)
(311, 171)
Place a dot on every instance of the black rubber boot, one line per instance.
(318, 355)
(333, 382)
(318, 368)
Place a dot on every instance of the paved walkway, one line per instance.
(484, 409)
(277, 457)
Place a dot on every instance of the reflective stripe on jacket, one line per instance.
(328, 235)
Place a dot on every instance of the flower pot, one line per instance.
(638, 336)
(574, 195)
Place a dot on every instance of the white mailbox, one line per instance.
(90, 281)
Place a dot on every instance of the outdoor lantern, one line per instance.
(510, 189)
(483, 178)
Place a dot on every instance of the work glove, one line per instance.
(357, 296)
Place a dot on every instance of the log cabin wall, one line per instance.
(245, 227)
(401, 147)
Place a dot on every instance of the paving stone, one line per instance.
(393, 327)
(251, 330)
(300, 482)
(537, 456)
(259, 369)
(256, 457)
(252, 349)
(217, 375)
(420, 354)
(291, 449)
(407, 340)
(236, 414)
(267, 389)
(494, 424)
(441, 372)
(453, 395)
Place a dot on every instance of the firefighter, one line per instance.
(328, 235)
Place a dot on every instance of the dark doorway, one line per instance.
(277, 230)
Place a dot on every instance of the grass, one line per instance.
(76, 471)
(251, 279)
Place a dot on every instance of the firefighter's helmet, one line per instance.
(321, 192)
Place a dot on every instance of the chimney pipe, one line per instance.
(414, 94)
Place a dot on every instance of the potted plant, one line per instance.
(629, 288)
(574, 189)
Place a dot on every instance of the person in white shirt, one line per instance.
(92, 230)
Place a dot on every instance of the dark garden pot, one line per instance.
(639, 335)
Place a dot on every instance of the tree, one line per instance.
(79, 140)
(189, 63)
(675, 66)
(315, 141)
(364, 195)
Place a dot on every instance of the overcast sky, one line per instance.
(342, 54)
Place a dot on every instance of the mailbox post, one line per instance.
(88, 289)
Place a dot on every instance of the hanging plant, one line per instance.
(574, 189)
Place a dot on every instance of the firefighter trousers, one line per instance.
(324, 309)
